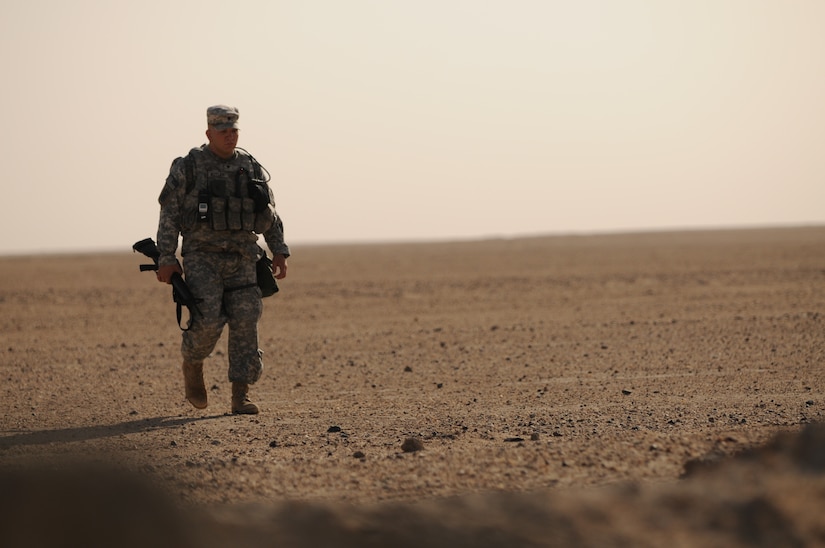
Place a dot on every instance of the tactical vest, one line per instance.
(226, 196)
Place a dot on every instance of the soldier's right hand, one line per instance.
(165, 272)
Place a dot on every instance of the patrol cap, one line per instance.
(222, 117)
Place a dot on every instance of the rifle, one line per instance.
(181, 294)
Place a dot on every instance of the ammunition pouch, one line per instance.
(233, 213)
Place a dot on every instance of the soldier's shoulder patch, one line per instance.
(173, 180)
(177, 168)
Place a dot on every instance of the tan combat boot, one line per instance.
(240, 400)
(193, 380)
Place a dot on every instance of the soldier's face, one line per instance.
(222, 141)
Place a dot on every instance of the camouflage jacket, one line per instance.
(224, 184)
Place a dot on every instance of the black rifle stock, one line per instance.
(181, 294)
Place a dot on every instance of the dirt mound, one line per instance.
(770, 496)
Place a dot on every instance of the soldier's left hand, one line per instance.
(279, 266)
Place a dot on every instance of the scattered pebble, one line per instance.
(333, 429)
(626, 392)
(359, 455)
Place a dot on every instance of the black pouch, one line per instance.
(266, 280)
(259, 192)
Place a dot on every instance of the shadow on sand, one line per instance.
(84, 433)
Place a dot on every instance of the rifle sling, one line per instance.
(178, 313)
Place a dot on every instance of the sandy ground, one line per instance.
(623, 390)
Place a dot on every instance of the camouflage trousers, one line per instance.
(208, 276)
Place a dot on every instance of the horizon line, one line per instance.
(453, 239)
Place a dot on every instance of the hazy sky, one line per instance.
(417, 119)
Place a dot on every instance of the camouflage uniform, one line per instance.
(219, 252)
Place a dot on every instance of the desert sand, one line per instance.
(596, 390)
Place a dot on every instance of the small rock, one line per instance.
(626, 392)
(513, 439)
(332, 429)
(273, 443)
(407, 369)
(411, 445)
(534, 436)
(359, 455)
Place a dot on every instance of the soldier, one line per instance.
(218, 200)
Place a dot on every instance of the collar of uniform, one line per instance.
(208, 150)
